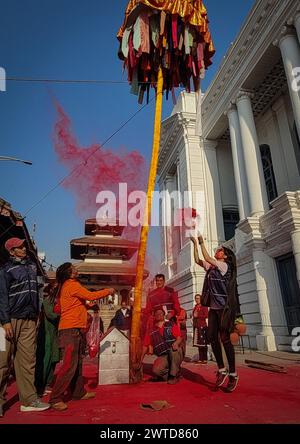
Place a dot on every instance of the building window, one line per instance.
(269, 175)
(290, 290)
(231, 219)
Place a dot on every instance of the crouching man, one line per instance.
(164, 340)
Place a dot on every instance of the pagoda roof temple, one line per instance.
(107, 274)
(105, 226)
(106, 257)
(96, 246)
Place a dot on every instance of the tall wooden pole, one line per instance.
(136, 346)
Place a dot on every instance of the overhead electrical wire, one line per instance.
(70, 81)
(82, 164)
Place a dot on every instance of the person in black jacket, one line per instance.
(19, 310)
(219, 293)
(122, 318)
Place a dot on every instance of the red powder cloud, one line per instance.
(97, 169)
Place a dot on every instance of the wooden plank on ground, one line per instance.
(265, 366)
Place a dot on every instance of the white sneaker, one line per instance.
(35, 406)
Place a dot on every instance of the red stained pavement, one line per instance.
(261, 397)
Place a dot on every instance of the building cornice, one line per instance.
(166, 163)
(260, 28)
(230, 109)
(286, 31)
(173, 130)
(272, 231)
(209, 145)
(294, 18)
(243, 94)
(186, 275)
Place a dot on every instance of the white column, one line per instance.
(238, 162)
(215, 221)
(290, 51)
(169, 187)
(258, 201)
(180, 200)
(289, 161)
(296, 250)
(266, 339)
(297, 24)
(163, 219)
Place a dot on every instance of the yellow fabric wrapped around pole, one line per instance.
(193, 11)
(136, 346)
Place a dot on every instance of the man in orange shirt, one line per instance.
(73, 321)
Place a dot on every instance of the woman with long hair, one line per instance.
(72, 297)
(220, 295)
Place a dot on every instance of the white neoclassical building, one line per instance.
(244, 159)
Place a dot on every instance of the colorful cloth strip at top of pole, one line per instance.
(173, 34)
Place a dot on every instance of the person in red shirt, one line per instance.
(72, 326)
(161, 296)
(164, 341)
(200, 315)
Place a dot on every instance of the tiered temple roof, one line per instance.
(92, 246)
(107, 258)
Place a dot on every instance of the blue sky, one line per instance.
(74, 39)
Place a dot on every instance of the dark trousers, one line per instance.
(184, 340)
(70, 373)
(202, 353)
(215, 335)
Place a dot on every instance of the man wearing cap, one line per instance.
(165, 342)
(19, 309)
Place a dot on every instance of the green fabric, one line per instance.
(187, 40)
(137, 41)
(47, 346)
(125, 42)
(51, 328)
(155, 29)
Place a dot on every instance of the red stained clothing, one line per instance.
(174, 31)
(163, 297)
(201, 315)
(175, 332)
